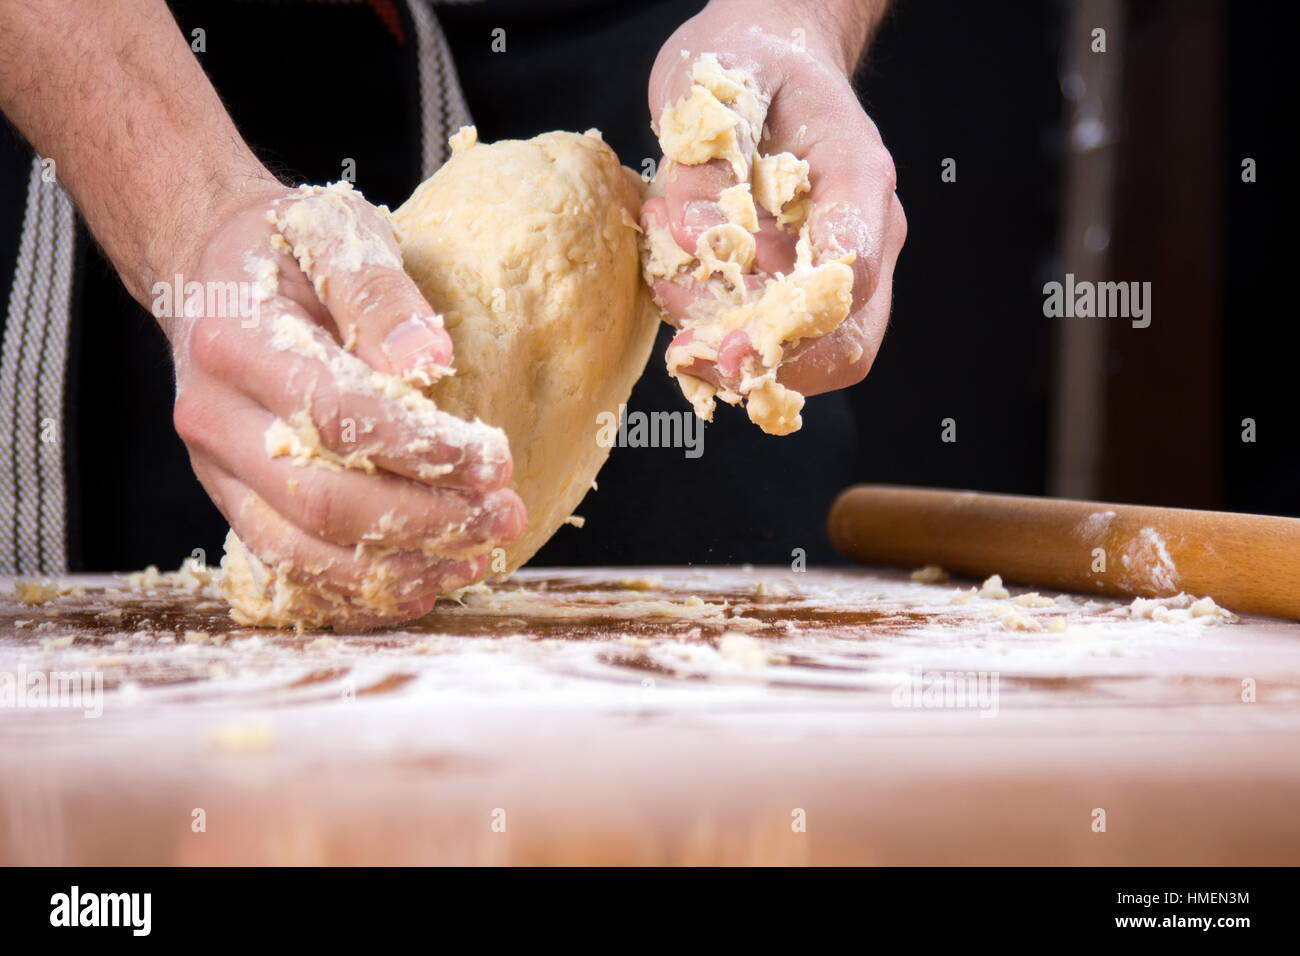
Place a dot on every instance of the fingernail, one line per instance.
(419, 350)
(509, 522)
(463, 574)
(415, 609)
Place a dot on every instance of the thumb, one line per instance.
(347, 249)
(382, 316)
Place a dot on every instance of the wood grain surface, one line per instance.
(651, 716)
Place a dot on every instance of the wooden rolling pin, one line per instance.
(1248, 563)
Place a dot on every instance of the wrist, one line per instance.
(177, 243)
(834, 32)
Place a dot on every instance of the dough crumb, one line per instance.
(193, 575)
(993, 589)
(481, 588)
(963, 597)
(32, 593)
(1014, 619)
(1034, 599)
(930, 574)
(1182, 608)
(463, 139)
(745, 651)
(642, 584)
(142, 580)
(197, 637)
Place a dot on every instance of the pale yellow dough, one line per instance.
(529, 251)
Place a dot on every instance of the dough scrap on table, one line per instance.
(528, 250)
(721, 118)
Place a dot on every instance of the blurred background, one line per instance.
(1124, 165)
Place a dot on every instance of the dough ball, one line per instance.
(528, 249)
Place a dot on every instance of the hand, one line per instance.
(363, 462)
(802, 61)
(168, 186)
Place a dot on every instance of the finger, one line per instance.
(348, 250)
(774, 247)
(678, 362)
(340, 584)
(394, 329)
(691, 198)
(348, 507)
(726, 371)
(685, 301)
(851, 175)
(291, 366)
(693, 181)
(844, 357)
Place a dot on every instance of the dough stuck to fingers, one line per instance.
(528, 250)
(722, 111)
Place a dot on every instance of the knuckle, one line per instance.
(888, 171)
(328, 413)
(191, 418)
(213, 345)
(373, 286)
(898, 219)
(320, 510)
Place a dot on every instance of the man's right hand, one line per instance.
(423, 490)
(168, 186)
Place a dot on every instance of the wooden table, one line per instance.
(601, 716)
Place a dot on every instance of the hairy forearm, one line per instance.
(112, 93)
(854, 22)
(841, 28)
